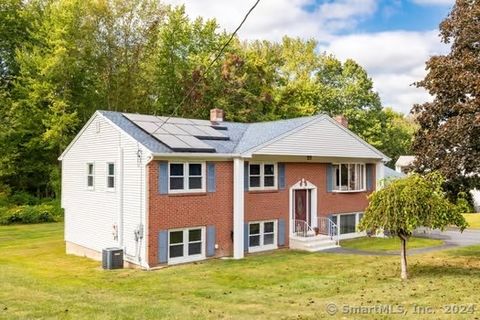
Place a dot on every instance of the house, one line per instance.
(404, 164)
(174, 190)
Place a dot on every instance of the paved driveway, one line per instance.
(452, 238)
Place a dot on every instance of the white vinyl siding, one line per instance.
(90, 215)
(321, 138)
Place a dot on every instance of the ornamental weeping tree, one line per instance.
(406, 204)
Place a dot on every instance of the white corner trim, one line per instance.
(238, 208)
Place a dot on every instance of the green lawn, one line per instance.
(37, 280)
(388, 244)
(473, 220)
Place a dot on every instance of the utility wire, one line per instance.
(209, 65)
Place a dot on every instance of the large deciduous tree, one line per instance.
(405, 204)
(448, 139)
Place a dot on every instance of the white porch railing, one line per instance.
(327, 227)
(302, 229)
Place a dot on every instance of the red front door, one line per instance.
(301, 205)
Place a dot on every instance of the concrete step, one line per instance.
(312, 244)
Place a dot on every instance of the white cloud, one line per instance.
(272, 19)
(434, 2)
(393, 59)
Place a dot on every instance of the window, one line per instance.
(261, 236)
(186, 245)
(111, 175)
(262, 176)
(186, 177)
(90, 175)
(347, 223)
(349, 177)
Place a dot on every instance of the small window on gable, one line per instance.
(110, 175)
(90, 175)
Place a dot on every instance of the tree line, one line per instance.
(60, 60)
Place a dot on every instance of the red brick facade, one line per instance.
(216, 208)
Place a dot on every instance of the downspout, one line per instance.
(147, 204)
(121, 198)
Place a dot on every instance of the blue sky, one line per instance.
(391, 39)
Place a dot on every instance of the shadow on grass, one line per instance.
(423, 270)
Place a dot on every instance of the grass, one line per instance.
(473, 220)
(37, 280)
(388, 244)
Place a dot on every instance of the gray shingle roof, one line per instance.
(392, 174)
(242, 136)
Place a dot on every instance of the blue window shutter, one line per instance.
(163, 177)
(369, 177)
(210, 241)
(211, 177)
(329, 177)
(281, 232)
(281, 176)
(163, 246)
(245, 175)
(245, 237)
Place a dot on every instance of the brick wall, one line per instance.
(191, 210)
(181, 210)
(275, 204)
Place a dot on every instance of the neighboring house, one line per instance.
(185, 190)
(404, 164)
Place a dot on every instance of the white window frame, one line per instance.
(262, 246)
(92, 187)
(187, 258)
(108, 175)
(186, 176)
(262, 176)
(354, 234)
(336, 184)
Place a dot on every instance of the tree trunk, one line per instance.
(403, 257)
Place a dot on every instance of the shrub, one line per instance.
(463, 204)
(23, 198)
(48, 212)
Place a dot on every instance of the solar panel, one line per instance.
(182, 135)
(140, 117)
(195, 143)
(212, 133)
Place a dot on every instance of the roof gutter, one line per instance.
(200, 155)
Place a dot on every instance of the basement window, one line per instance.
(262, 235)
(185, 245)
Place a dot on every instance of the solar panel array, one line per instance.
(182, 135)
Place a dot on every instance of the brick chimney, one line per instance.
(216, 115)
(342, 120)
